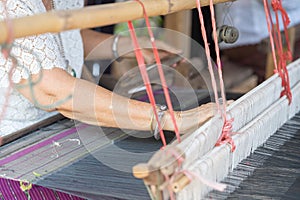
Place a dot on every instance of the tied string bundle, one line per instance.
(146, 80)
(226, 135)
(277, 44)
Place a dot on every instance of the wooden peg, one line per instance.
(141, 171)
(181, 181)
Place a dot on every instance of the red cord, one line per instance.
(207, 52)
(271, 33)
(160, 71)
(227, 127)
(142, 66)
(143, 70)
(277, 6)
(226, 136)
(275, 37)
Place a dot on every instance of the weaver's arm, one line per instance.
(95, 105)
(98, 46)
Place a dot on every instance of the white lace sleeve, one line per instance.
(32, 53)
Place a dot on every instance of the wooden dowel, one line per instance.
(148, 174)
(141, 170)
(181, 181)
(94, 16)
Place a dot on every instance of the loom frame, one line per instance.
(202, 142)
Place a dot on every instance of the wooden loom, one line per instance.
(266, 112)
(263, 105)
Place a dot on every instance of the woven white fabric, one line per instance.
(33, 53)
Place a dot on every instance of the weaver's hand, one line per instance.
(165, 50)
(189, 120)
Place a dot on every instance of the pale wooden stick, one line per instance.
(94, 16)
(180, 183)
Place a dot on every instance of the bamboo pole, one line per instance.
(93, 16)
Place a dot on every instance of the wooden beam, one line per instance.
(20, 133)
(94, 16)
(269, 69)
(181, 22)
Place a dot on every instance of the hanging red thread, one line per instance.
(227, 127)
(207, 52)
(275, 38)
(142, 66)
(145, 77)
(271, 33)
(284, 57)
(226, 130)
(277, 6)
(160, 71)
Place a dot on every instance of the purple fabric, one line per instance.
(10, 189)
(15, 188)
(76, 198)
(4, 189)
(48, 194)
(39, 145)
(63, 195)
(34, 193)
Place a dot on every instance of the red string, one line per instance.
(219, 64)
(271, 32)
(275, 37)
(160, 71)
(227, 127)
(145, 77)
(227, 135)
(277, 6)
(169, 180)
(207, 52)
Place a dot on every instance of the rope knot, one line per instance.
(288, 56)
(276, 5)
(286, 92)
(226, 135)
